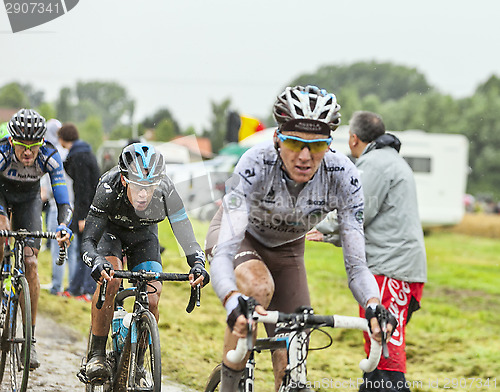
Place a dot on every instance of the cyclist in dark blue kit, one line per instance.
(130, 200)
(24, 158)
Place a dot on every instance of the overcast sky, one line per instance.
(182, 54)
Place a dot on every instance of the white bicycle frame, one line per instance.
(297, 350)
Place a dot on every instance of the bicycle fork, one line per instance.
(249, 374)
(296, 370)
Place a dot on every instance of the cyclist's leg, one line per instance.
(287, 267)
(101, 318)
(142, 249)
(28, 215)
(97, 368)
(253, 279)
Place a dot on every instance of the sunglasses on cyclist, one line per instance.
(139, 186)
(297, 144)
(32, 146)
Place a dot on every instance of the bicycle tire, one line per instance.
(213, 382)
(145, 348)
(17, 336)
(214, 379)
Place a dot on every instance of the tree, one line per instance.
(385, 80)
(12, 96)
(158, 117)
(35, 97)
(480, 122)
(121, 132)
(64, 108)
(165, 131)
(47, 110)
(91, 130)
(108, 100)
(217, 131)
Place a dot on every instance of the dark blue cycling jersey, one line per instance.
(20, 184)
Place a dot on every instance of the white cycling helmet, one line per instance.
(28, 125)
(308, 102)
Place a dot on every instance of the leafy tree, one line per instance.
(47, 110)
(480, 122)
(64, 107)
(35, 97)
(108, 100)
(91, 130)
(189, 131)
(121, 132)
(492, 85)
(13, 96)
(217, 131)
(165, 130)
(158, 117)
(385, 80)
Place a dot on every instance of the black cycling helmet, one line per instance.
(308, 102)
(140, 162)
(28, 125)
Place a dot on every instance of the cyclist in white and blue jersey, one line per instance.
(24, 158)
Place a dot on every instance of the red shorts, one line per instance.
(401, 299)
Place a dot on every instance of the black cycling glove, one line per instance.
(197, 263)
(100, 264)
(382, 314)
(199, 269)
(246, 306)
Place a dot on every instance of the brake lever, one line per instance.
(249, 315)
(102, 292)
(383, 327)
(195, 298)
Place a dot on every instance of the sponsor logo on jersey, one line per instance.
(335, 169)
(358, 215)
(316, 202)
(248, 173)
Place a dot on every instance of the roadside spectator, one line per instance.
(81, 165)
(395, 250)
(56, 288)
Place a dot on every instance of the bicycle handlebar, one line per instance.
(301, 321)
(23, 234)
(151, 276)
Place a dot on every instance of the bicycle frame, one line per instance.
(17, 298)
(122, 374)
(296, 344)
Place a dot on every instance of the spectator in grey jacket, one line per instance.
(395, 250)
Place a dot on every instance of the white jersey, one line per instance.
(258, 201)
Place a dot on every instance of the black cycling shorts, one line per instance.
(139, 245)
(25, 215)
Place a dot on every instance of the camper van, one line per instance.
(439, 163)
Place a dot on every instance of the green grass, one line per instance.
(454, 336)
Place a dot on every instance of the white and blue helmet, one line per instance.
(142, 163)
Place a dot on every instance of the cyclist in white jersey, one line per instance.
(280, 190)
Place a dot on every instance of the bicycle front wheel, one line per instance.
(213, 383)
(16, 337)
(214, 379)
(144, 372)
